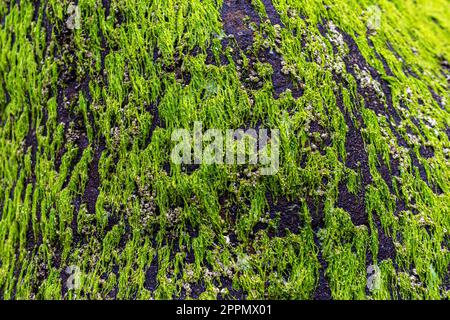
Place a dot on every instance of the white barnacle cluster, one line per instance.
(336, 38)
(148, 209)
(173, 215)
(335, 64)
(115, 135)
(413, 139)
(277, 29)
(403, 156)
(444, 101)
(317, 47)
(431, 121)
(72, 134)
(367, 81)
(446, 152)
(291, 70)
(146, 198)
(292, 13)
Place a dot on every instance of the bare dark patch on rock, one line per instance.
(289, 217)
(426, 152)
(387, 69)
(91, 192)
(281, 82)
(418, 125)
(156, 121)
(233, 294)
(357, 159)
(323, 291)
(447, 131)
(233, 14)
(177, 69)
(315, 208)
(228, 212)
(31, 143)
(151, 281)
(437, 98)
(33, 242)
(3, 19)
(386, 248)
(126, 236)
(68, 92)
(272, 13)
(353, 204)
(107, 5)
(371, 98)
(37, 7)
(47, 25)
(7, 96)
(445, 65)
(416, 163)
(387, 174)
(240, 34)
(406, 69)
(321, 139)
(197, 289)
(216, 61)
(400, 140)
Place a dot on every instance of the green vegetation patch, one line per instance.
(92, 207)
